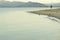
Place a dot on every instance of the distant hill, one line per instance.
(54, 5)
(21, 4)
(57, 4)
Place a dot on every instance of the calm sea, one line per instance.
(18, 24)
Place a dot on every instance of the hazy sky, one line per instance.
(41, 1)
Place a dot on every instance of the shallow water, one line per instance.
(17, 24)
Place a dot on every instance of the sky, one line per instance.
(40, 1)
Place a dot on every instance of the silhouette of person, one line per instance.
(51, 6)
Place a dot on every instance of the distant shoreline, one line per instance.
(50, 12)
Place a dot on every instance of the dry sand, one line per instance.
(50, 12)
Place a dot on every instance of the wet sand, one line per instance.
(50, 12)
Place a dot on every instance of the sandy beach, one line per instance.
(50, 12)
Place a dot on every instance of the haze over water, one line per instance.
(17, 24)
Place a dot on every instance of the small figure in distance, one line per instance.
(51, 6)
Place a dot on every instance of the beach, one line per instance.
(50, 12)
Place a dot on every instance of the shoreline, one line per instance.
(50, 12)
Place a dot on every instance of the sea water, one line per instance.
(18, 24)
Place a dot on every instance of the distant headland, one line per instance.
(4, 3)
